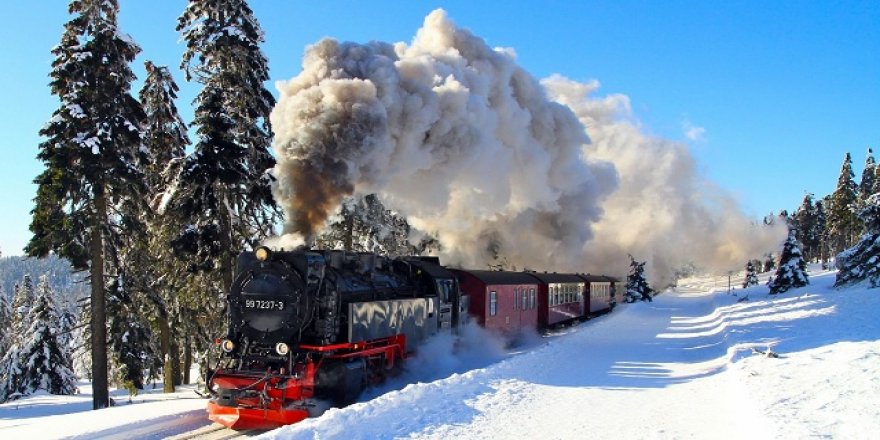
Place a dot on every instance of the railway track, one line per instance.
(215, 432)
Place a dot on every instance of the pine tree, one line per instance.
(364, 225)
(822, 228)
(38, 361)
(5, 323)
(130, 338)
(862, 261)
(805, 221)
(165, 137)
(751, 276)
(843, 224)
(22, 301)
(165, 134)
(866, 186)
(792, 269)
(91, 184)
(876, 188)
(224, 189)
(637, 287)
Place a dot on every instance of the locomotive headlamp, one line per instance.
(262, 253)
(227, 345)
(282, 349)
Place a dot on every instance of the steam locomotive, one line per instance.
(306, 326)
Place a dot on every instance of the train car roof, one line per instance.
(598, 278)
(556, 277)
(498, 277)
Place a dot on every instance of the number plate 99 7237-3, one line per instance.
(260, 304)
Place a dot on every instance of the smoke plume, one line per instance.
(663, 211)
(472, 149)
(449, 132)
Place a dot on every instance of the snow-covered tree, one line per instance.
(792, 269)
(166, 138)
(5, 323)
(876, 188)
(91, 184)
(224, 190)
(822, 228)
(843, 224)
(806, 221)
(37, 361)
(637, 287)
(364, 225)
(866, 186)
(165, 134)
(751, 276)
(22, 301)
(862, 261)
(129, 338)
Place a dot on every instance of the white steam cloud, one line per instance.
(663, 211)
(447, 131)
(471, 148)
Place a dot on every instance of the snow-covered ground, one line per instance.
(680, 367)
(151, 414)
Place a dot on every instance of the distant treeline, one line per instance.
(63, 280)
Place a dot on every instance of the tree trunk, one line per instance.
(168, 361)
(174, 356)
(187, 360)
(100, 390)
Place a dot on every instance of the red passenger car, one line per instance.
(560, 298)
(599, 294)
(505, 302)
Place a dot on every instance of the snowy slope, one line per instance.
(680, 367)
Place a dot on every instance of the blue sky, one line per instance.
(781, 89)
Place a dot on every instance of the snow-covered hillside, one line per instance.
(680, 367)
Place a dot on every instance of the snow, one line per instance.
(151, 414)
(687, 366)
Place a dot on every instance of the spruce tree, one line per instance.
(806, 222)
(224, 189)
(843, 224)
(862, 261)
(637, 287)
(130, 337)
(5, 323)
(364, 225)
(751, 276)
(165, 134)
(91, 184)
(165, 138)
(876, 188)
(38, 361)
(792, 269)
(824, 252)
(22, 301)
(866, 186)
